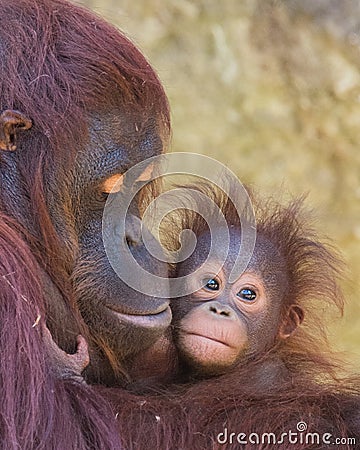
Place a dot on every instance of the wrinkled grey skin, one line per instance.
(75, 202)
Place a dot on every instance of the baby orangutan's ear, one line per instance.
(291, 322)
(11, 123)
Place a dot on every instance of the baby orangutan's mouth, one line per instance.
(209, 338)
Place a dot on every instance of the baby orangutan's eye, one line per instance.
(247, 294)
(212, 285)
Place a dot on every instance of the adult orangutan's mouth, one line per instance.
(161, 319)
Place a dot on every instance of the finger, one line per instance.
(82, 352)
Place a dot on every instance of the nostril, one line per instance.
(131, 242)
(220, 311)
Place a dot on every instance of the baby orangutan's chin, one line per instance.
(207, 354)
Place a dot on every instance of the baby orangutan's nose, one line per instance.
(218, 308)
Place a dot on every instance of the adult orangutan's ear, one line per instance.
(11, 123)
(291, 322)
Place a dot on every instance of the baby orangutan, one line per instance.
(223, 325)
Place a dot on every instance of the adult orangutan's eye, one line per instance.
(114, 182)
(212, 285)
(247, 294)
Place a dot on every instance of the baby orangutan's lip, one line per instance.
(210, 338)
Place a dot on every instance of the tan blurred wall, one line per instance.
(273, 95)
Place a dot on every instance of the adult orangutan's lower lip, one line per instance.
(161, 319)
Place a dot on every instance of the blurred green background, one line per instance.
(271, 89)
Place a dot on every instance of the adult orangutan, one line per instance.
(79, 105)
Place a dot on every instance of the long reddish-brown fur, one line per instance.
(37, 410)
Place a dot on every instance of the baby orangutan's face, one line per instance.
(222, 324)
